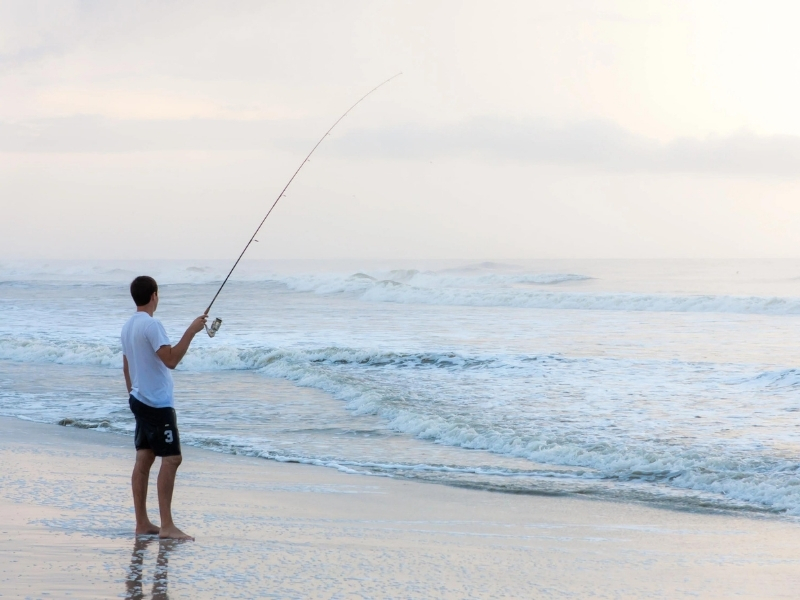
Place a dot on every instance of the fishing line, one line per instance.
(218, 322)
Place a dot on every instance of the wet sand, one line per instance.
(270, 530)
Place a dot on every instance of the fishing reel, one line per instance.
(212, 331)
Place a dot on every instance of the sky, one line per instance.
(528, 129)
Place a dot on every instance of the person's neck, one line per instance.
(146, 308)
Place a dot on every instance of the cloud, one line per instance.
(597, 144)
(104, 135)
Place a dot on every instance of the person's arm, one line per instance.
(127, 373)
(172, 355)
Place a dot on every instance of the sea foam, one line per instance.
(373, 382)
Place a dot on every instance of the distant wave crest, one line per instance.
(478, 285)
(511, 291)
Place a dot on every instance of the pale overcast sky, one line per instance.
(525, 129)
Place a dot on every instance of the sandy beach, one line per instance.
(272, 530)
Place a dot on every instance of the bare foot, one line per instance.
(173, 533)
(147, 529)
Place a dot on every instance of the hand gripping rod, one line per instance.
(283, 191)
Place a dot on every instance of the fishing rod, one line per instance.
(212, 331)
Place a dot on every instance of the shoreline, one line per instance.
(651, 502)
(270, 529)
(96, 384)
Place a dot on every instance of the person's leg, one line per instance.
(166, 484)
(139, 480)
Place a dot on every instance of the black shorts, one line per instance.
(156, 429)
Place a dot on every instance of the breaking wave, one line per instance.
(60, 352)
(784, 378)
(378, 383)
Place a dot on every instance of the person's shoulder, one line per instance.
(136, 317)
(130, 320)
(153, 322)
(138, 321)
(155, 325)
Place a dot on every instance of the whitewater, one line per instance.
(672, 383)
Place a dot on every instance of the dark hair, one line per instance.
(142, 289)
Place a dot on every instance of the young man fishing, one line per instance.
(147, 358)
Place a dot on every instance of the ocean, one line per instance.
(665, 382)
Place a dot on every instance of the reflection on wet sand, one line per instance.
(133, 583)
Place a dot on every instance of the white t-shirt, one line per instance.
(151, 380)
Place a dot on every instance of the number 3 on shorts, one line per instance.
(168, 436)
